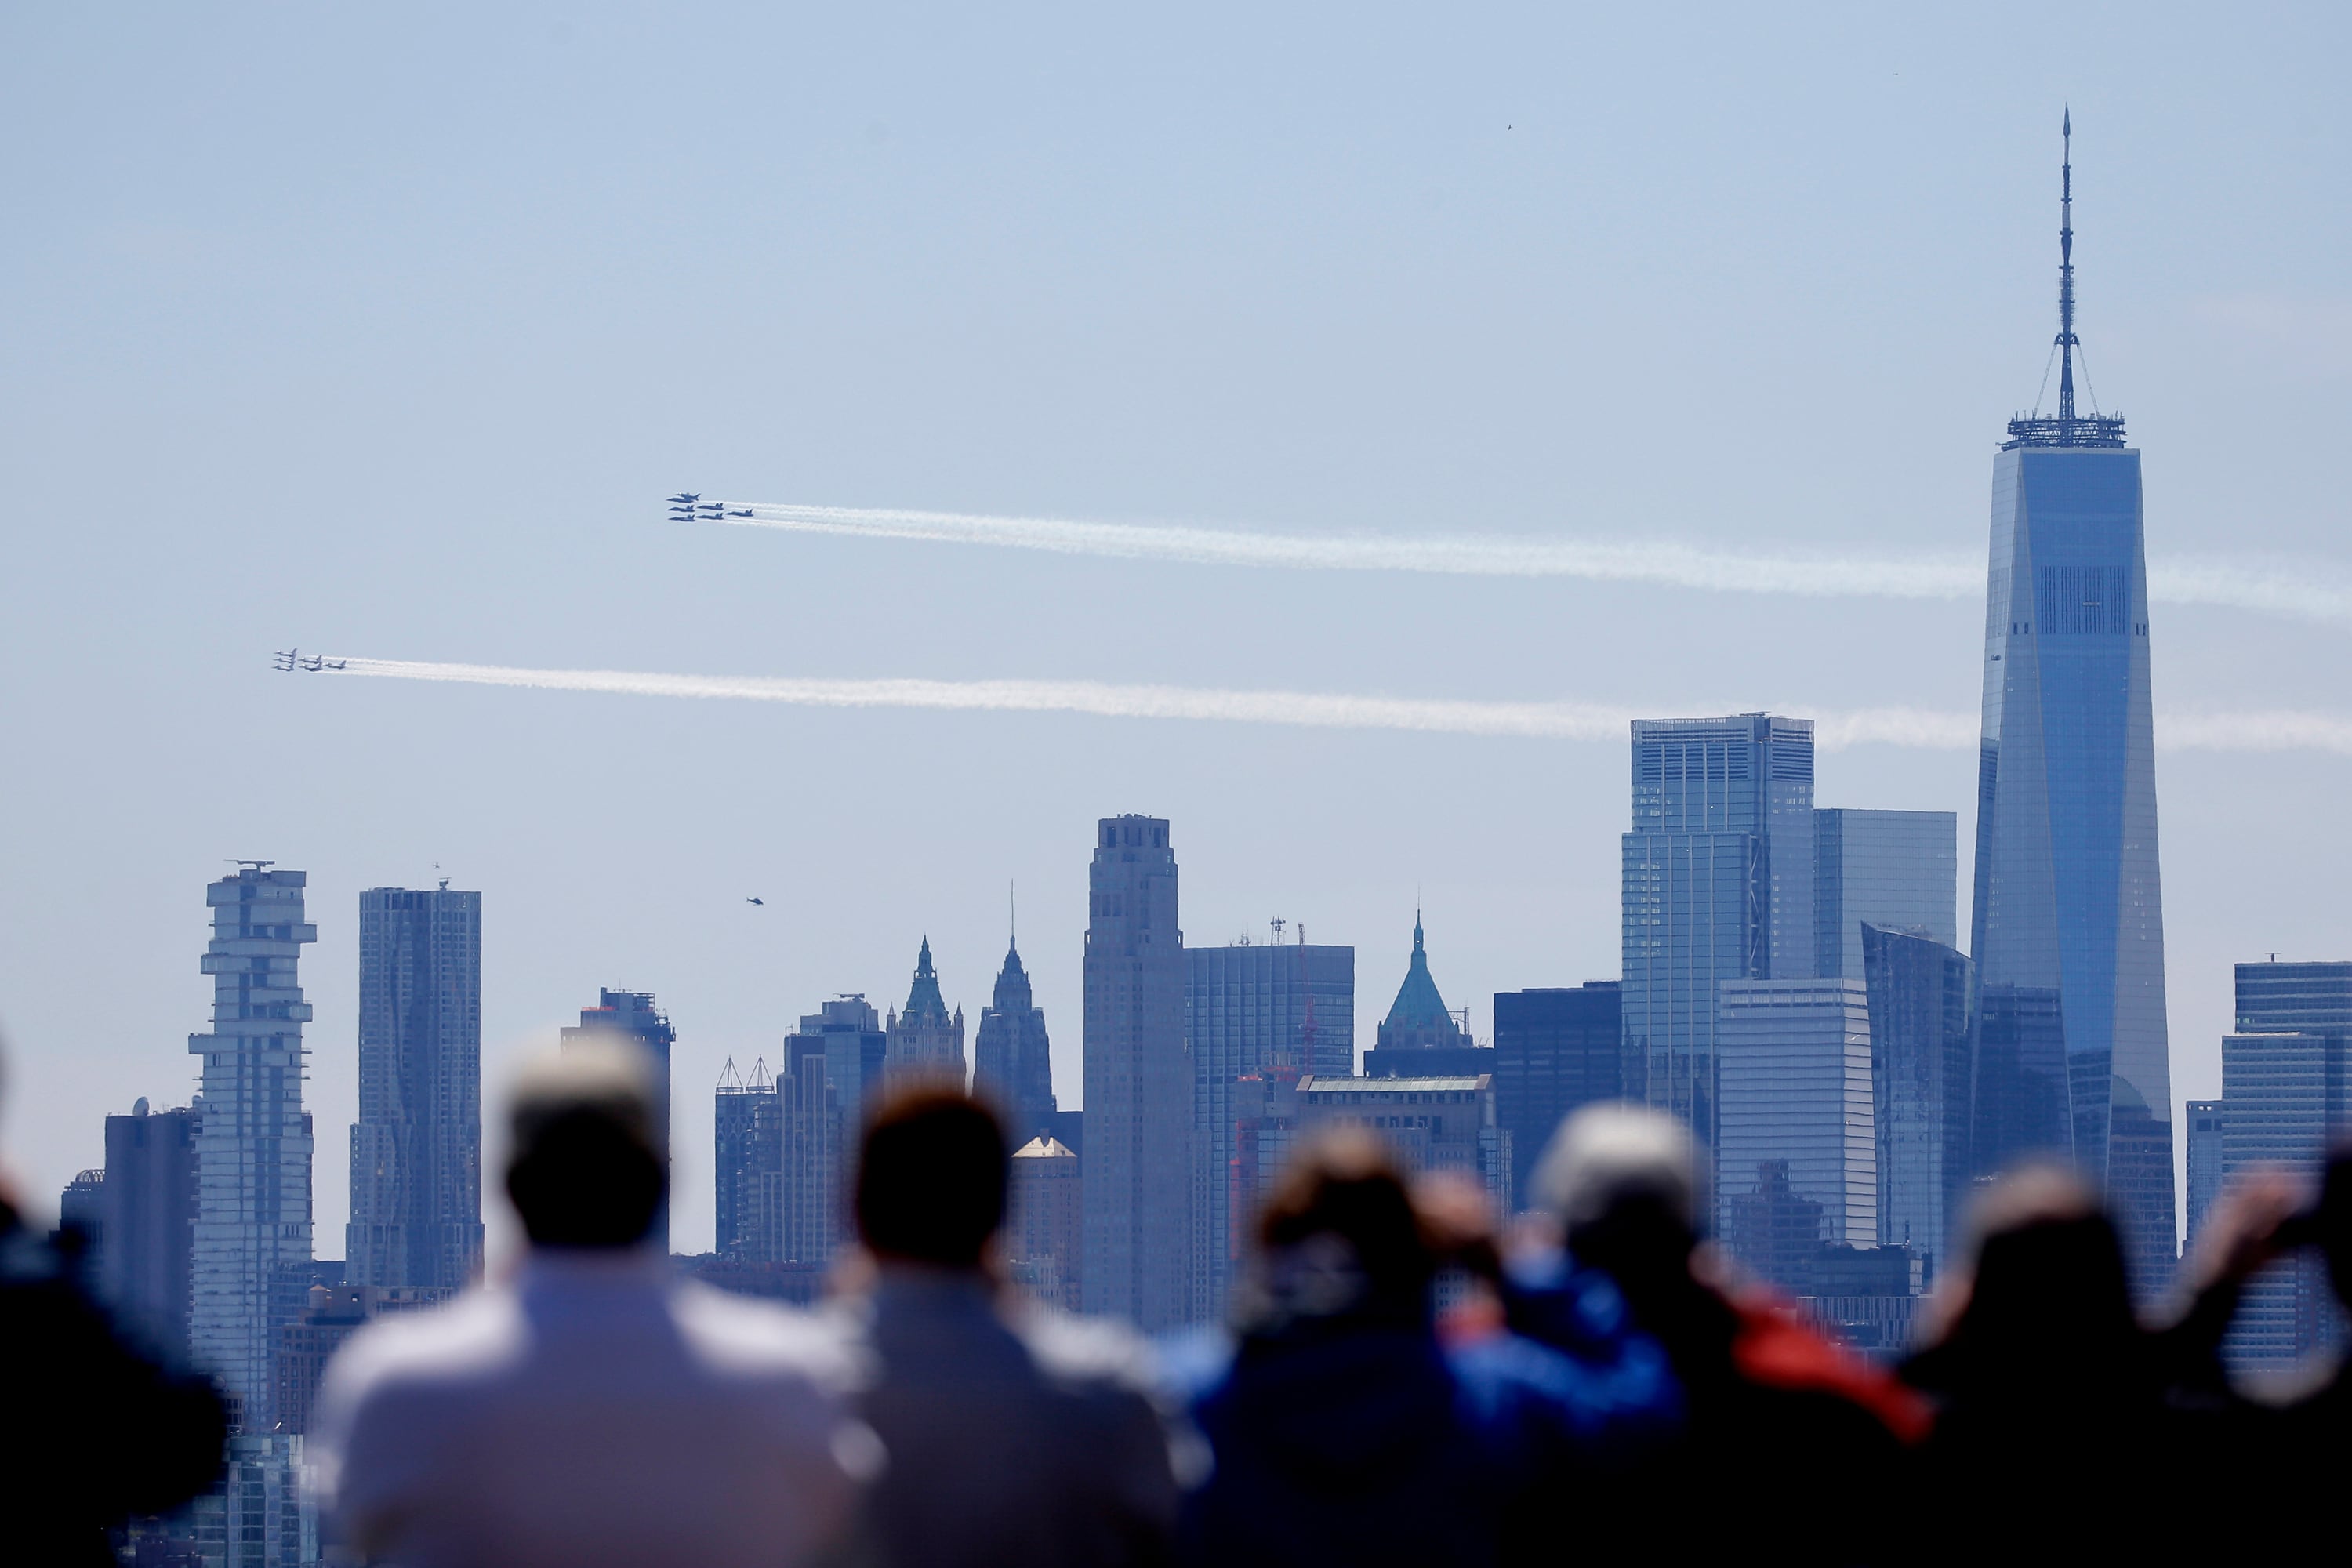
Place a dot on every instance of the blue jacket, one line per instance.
(1344, 1440)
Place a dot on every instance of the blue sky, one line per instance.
(386, 333)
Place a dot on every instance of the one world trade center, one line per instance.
(2070, 1046)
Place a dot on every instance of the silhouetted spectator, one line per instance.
(1019, 1436)
(1790, 1446)
(101, 1430)
(2067, 1431)
(2291, 1446)
(1344, 1431)
(601, 1412)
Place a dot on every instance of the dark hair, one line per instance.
(584, 1176)
(931, 1176)
(1345, 1183)
(2332, 1217)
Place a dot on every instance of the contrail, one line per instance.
(1834, 730)
(2310, 591)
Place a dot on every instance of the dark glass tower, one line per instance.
(2070, 1042)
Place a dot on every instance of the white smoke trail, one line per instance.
(2310, 591)
(1477, 555)
(1833, 730)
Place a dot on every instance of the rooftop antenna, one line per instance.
(2067, 341)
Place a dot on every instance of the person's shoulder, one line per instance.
(753, 1337)
(473, 1333)
(1096, 1352)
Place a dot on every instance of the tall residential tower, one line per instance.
(2070, 1042)
(416, 1149)
(253, 1141)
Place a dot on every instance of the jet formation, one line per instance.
(688, 506)
(293, 659)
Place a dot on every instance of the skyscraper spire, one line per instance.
(2066, 338)
(2066, 428)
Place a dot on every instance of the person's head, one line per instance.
(931, 1176)
(586, 1169)
(1339, 1234)
(1625, 1184)
(2041, 1274)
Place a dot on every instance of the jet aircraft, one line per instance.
(685, 498)
(287, 657)
(745, 512)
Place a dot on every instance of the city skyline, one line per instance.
(513, 534)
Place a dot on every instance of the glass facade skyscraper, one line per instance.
(1898, 869)
(2286, 1089)
(1718, 882)
(1557, 1048)
(2070, 1045)
(1918, 991)
(416, 1149)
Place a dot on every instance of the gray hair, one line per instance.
(1605, 1155)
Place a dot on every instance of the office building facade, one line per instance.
(1445, 1123)
(1045, 1220)
(1250, 1008)
(2072, 1052)
(1556, 1048)
(1918, 991)
(747, 1164)
(2287, 1092)
(1137, 1158)
(631, 1016)
(1795, 1075)
(1012, 1063)
(416, 1149)
(1898, 869)
(252, 1232)
(926, 1044)
(833, 1064)
(1718, 884)
(150, 1220)
(2207, 1159)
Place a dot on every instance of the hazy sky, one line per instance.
(386, 332)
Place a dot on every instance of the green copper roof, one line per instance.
(924, 1001)
(1418, 1006)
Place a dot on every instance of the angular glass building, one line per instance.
(1718, 885)
(2070, 1043)
(1918, 991)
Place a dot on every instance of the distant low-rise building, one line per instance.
(1432, 1123)
(1046, 1222)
